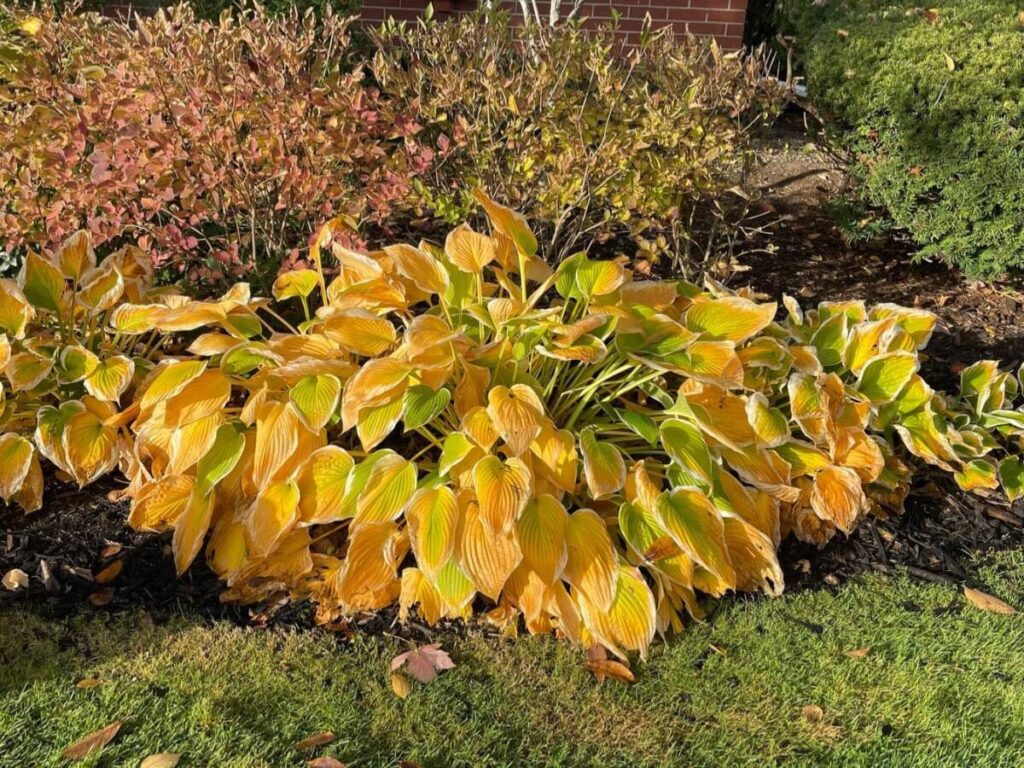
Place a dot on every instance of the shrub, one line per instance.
(587, 141)
(216, 146)
(579, 448)
(931, 104)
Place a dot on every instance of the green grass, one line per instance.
(942, 686)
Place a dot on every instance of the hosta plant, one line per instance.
(457, 425)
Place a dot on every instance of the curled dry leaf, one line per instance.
(94, 742)
(101, 598)
(15, 580)
(111, 550)
(857, 653)
(326, 762)
(316, 740)
(424, 662)
(161, 760)
(616, 670)
(988, 603)
(400, 685)
(111, 572)
(88, 682)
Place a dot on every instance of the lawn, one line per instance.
(941, 686)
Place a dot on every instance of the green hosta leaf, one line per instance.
(640, 423)
(220, 459)
(316, 398)
(882, 380)
(830, 340)
(1011, 477)
(685, 444)
(692, 520)
(456, 447)
(423, 404)
(41, 282)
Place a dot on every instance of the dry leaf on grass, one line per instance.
(15, 580)
(857, 653)
(161, 760)
(101, 598)
(88, 682)
(325, 762)
(987, 602)
(812, 713)
(616, 670)
(316, 740)
(94, 742)
(424, 662)
(400, 685)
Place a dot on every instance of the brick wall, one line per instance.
(721, 18)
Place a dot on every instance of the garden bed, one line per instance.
(940, 531)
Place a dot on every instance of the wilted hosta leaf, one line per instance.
(157, 506)
(190, 530)
(509, 223)
(15, 462)
(516, 412)
(976, 474)
(837, 496)
(420, 267)
(90, 447)
(26, 371)
(488, 556)
(271, 516)
(161, 760)
(15, 309)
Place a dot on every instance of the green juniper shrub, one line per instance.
(930, 103)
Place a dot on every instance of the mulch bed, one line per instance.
(61, 548)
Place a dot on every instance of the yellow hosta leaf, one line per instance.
(479, 426)
(101, 290)
(417, 590)
(41, 282)
(222, 458)
(631, 621)
(169, 379)
(469, 251)
(227, 551)
(389, 487)
(420, 267)
(26, 371)
(376, 422)
(502, 489)
(361, 332)
(919, 323)
(837, 496)
(977, 474)
(714, 362)
(754, 506)
(769, 424)
(322, 484)
(454, 587)
(193, 441)
(603, 465)
(76, 256)
(540, 532)
(591, 562)
(5, 350)
(15, 463)
(271, 516)
(690, 518)
(190, 530)
(90, 447)
(378, 382)
(433, 517)
(297, 283)
(686, 446)
(135, 319)
(557, 458)
(30, 495)
(516, 412)
(316, 398)
(277, 438)
(110, 378)
(369, 579)
(752, 554)
(470, 391)
(865, 457)
(488, 557)
(508, 223)
(204, 396)
(15, 309)
(803, 458)
(211, 344)
(74, 363)
(882, 379)
(864, 343)
(159, 504)
(729, 318)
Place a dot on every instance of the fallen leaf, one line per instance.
(424, 662)
(812, 713)
(843, 32)
(94, 742)
(101, 598)
(88, 682)
(326, 762)
(408, 764)
(400, 685)
(932, 15)
(15, 580)
(616, 670)
(49, 580)
(950, 63)
(857, 653)
(316, 740)
(111, 550)
(987, 602)
(161, 760)
(110, 573)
